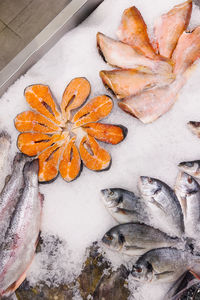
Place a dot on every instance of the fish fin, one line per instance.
(7, 179)
(195, 274)
(12, 288)
(41, 197)
(126, 211)
(163, 275)
(133, 247)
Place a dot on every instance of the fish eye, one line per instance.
(138, 269)
(109, 237)
(150, 180)
(111, 193)
(190, 180)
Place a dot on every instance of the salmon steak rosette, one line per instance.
(63, 139)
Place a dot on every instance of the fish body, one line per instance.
(17, 251)
(187, 50)
(127, 82)
(11, 192)
(124, 206)
(188, 192)
(191, 167)
(153, 103)
(169, 27)
(5, 142)
(163, 204)
(163, 265)
(136, 239)
(124, 56)
(133, 31)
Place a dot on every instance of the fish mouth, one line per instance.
(108, 202)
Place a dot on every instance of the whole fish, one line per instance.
(133, 31)
(124, 56)
(163, 265)
(127, 82)
(11, 192)
(194, 127)
(170, 26)
(136, 239)
(163, 204)
(191, 167)
(124, 206)
(187, 50)
(187, 190)
(153, 103)
(5, 142)
(17, 251)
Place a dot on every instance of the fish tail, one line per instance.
(30, 168)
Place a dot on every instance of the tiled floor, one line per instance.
(21, 21)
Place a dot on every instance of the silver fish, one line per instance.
(194, 126)
(188, 192)
(191, 167)
(11, 192)
(163, 265)
(5, 142)
(124, 206)
(17, 251)
(163, 204)
(136, 239)
(124, 56)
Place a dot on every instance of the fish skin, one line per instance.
(11, 192)
(136, 239)
(194, 127)
(152, 104)
(187, 50)
(121, 55)
(163, 265)
(127, 82)
(5, 142)
(124, 206)
(133, 31)
(17, 251)
(169, 27)
(191, 167)
(162, 203)
(187, 191)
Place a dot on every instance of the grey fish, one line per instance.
(194, 127)
(163, 265)
(124, 206)
(188, 192)
(5, 142)
(17, 251)
(11, 192)
(163, 204)
(136, 239)
(191, 167)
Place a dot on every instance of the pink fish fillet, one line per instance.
(124, 56)
(187, 50)
(133, 31)
(151, 104)
(170, 26)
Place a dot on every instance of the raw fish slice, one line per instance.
(74, 96)
(112, 134)
(150, 105)
(128, 82)
(70, 164)
(49, 162)
(32, 144)
(187, 50)
(194, 127)
(31, 121)
(133, 31)
(39, 97)
(95, 110)
(124, 56)
(93, 156)
(170, 26)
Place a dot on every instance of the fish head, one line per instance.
(148, 186)
(142, 271)
(188, 167)
(186, 183)
(113, 239)
(111, 197)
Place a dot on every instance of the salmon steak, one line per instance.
(62, 139)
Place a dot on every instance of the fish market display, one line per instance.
(18, 247)
(136, 239)
(63, 140)
(151, 75)
(4, 149)
(163, 265)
